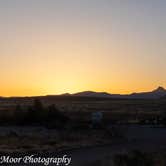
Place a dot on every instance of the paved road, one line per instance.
(140, 138)
(87, 156)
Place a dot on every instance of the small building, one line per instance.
(97, 117)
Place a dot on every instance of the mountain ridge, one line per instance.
(154, 94)
(157, 93)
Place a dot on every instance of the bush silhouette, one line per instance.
(18, 114)
(56, 118)
(35, 113)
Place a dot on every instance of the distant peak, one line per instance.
(160, 89)
(66, 94)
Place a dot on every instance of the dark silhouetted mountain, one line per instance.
(155, 94)
(92, 94)
(65, 94)
(158, 93)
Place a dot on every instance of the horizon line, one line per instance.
(67, 93)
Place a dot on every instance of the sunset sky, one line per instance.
(67, 46)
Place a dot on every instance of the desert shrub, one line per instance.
(56, 118)
(36, 114)
(19, 115)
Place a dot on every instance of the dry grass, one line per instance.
(50, 140)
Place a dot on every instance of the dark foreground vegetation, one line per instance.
(44, 128)
(57, 123)
(36, 114)
(60, 110)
